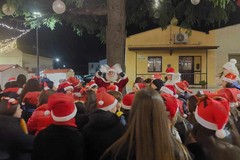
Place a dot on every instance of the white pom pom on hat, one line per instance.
(46, 113)
(220, 133)
(233, 61)
(100, 102)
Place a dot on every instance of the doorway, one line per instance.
(186, 68)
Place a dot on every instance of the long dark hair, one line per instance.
(32, 85)
(91, 102)
(148, 134)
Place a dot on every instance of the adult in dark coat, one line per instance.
(14, 140)
(61, 140)
(103, 128)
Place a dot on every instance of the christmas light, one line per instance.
(11, 43)
(11, 28)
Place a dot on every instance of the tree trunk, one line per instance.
(116, 32)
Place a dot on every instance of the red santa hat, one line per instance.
(171, 104)
(127, 101)
(11, 79)
(31, 98)
(91, 84)
(230, 77)
(105, 101)
(181, 87)
(74, 81)
(112, 88)
(66, 86)
(170, 70)
(157, 76)
(231, 94)
(186, 83)
(61, 107)
(140, 85)
(169, 89)
(213, 114)
(13, 90)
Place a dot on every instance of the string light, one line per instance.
(11, 28)
(9, 44)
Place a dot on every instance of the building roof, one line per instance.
(8, 66)
(47, 71)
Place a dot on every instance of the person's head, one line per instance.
(10, 107)
(92, 85)
(138, 86)
(112, 75)
(106, 102)
(32, 85)
(139, 80)
(21, 79)
(228, 78)
(148, 132)
(169, 65)
(91, 101)
(118, 96)
(62, 109)
(43, 97)
(148, 81)
(157, 84)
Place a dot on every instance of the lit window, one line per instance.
(154, 64)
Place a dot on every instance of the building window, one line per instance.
(154, 64)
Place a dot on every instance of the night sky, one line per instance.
(73, 51)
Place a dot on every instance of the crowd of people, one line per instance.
(161, 118)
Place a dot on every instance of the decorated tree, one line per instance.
(108, 19)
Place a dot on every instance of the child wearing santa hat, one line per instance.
(61, 140)
(103, 128)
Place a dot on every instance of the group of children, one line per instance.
(156, 120)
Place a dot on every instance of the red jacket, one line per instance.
(39, 121)
(101, 82)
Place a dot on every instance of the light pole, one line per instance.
(57, 61)
(37, 15)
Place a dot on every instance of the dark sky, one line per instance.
(73, 51)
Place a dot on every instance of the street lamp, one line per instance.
(37, 15)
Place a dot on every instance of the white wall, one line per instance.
(30, 61)
(11, 72)
(228, 39)
(11, 57)
(55, 77)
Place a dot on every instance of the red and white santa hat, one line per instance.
(230, 77)
(91, 84)
(11, 79)
(140, 85)
(13, 90)
(74, 81)
(169, 89)
(182, 87)
(105, 101)
(213, 114)
(156, 76)
(61, 107)
(31, 98)
(171, 104)
(127, 101)
(170, 70)
(66, 86)
(231, 94)
(112, 88)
